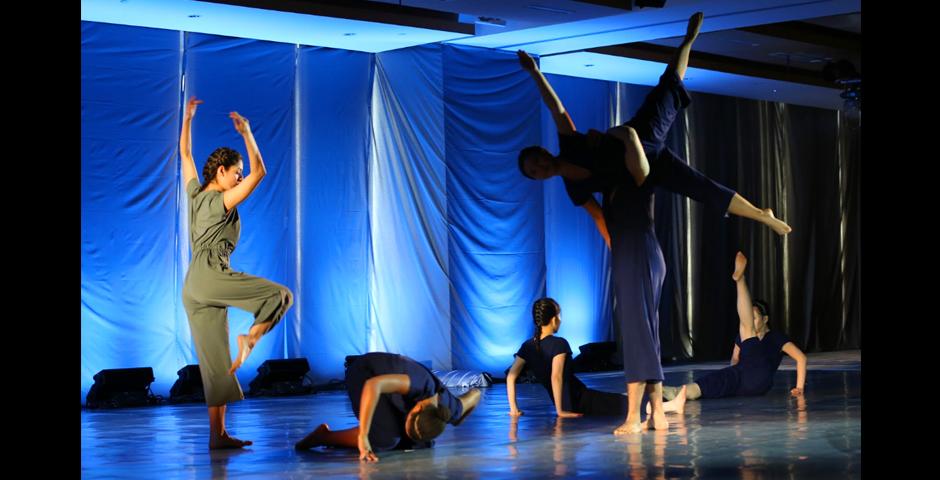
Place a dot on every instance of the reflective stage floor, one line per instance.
(774, 436)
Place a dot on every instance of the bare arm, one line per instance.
(735, 356)
(186, 142)
(511, 377)
(371, 391)
(231, 198)
(558, 376)
(562, 119)
(594, 210)
(797, 355)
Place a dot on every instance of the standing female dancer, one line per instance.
(211, 285)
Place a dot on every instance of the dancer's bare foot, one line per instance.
(679, 401)
(676, 405)
(313, 438)
(773, 222)
(657, 422)
(227, 441)
(631, 425)
(695, 23)
(244, 348)
(740, 261)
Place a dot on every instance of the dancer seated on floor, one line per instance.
(400, 405)
(757, 353)
(549, 358)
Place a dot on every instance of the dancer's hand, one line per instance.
(191, 107)
(365, 450)
(515, 413)
(796, 392)
(241, 123)
(564, 414)
(528, 64)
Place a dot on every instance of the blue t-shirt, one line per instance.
(604, 160)
(540, 362)
(423, 385)
(767, 353)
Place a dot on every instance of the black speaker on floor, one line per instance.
(595, 357)
(122, 387)
(281, 377)
(188, 387)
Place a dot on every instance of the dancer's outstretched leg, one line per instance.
(680, 61)
(322, 435)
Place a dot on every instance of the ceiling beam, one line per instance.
(362, 10)
(621, 4)
(719, 63)
(809, 33)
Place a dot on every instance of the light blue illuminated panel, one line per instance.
(652, 23)
(242, 22)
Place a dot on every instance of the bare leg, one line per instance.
(741, 207)
(348, 438)
(681, 60)
(690, 391)
(670, 392)
(740, 263)
(634, 399)
(247, 342)
(218, 437)
(634, 156)
(657, 417)
(745, 307)
(676, 405)
(693, 391)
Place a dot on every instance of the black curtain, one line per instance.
(803, 163)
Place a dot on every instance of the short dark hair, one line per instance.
(429, 422)
(527, 153)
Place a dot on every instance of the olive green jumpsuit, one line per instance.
(212, 286)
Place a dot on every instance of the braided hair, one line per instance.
(543, 311)
(222, 156)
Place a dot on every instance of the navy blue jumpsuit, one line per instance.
(575, 396)
(754, 372)
(387, 431)
(636, 259)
